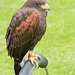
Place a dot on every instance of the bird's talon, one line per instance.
(33, 58)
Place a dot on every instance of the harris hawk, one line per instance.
(26, 28)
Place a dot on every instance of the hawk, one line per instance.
(26, 28)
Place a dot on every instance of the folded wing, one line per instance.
(22, 28)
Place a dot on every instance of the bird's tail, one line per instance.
(17, 67)
(18, 63)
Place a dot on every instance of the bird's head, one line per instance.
(41, 4)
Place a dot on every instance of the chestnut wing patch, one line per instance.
(27, 28)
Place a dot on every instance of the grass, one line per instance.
(58, 43)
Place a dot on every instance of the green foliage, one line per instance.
(58, 43)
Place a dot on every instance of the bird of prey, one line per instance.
(26, 28)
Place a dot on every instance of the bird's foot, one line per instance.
(33, 57)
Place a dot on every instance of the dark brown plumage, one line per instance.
(26, 28)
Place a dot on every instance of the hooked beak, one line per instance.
(45, 7)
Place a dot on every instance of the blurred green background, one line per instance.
(58, 43)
